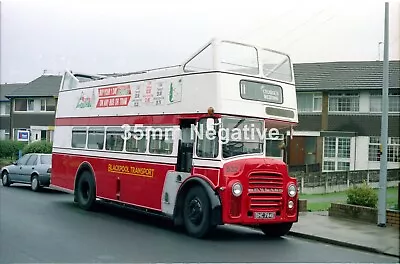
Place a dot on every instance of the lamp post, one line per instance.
(384, 125)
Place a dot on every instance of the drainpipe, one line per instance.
(324, 124)
(11, 135)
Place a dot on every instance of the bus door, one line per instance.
(183, 168)
(185, 147)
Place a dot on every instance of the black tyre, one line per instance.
(35, 184)
(85, 192)
(276, 230)
(197, 213)
(5, 179)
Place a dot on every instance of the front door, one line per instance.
(185, 147)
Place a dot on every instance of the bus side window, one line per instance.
(137, 142)
(78, 137)
(206, 148)
(96, 138)
(114, 139)
(161, 142)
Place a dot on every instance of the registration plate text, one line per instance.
(264, 215)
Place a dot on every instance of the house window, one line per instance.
(375, 102)
(309, 102)
(343, 166)
(329, 147)
(21, 105)
(42, 104)
(4, 108)
(393, 149)
(24, 105)
(344, 102)
(31, 104)
(7, 108)
(336, 153)
(329, 165)
(48, 104)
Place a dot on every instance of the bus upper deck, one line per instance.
(231, 77)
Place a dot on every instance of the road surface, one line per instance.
(49, 227)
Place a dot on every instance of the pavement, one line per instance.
(343, 232)
(47, 227)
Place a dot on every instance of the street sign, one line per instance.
(22, 135)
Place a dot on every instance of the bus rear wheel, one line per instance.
(276, 230)
(86, 191)
(197, 213)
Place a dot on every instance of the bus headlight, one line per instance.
(292, 190)
(237, 189)
(290, 204)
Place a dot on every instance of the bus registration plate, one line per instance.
(264, 215)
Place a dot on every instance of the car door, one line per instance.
(15, 172)
(27, 169)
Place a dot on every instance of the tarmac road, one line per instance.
(49, 227)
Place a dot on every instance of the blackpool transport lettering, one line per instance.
(131, 170)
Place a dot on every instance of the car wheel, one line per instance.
(197, 212)
(5, 179)
(35, 184)
(86, 191)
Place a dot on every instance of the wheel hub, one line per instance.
(195, 211)
(34, 183)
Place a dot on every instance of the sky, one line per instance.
(96, 36)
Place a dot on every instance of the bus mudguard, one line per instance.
(215, 202)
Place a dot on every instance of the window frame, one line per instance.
(336, 158)
(218, 145)
(378, 96)
(150, 140)
(342, 96)
(393, 148)
(314, 97)
(79, 129)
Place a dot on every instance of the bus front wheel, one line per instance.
(86, 191)
(276, 230)
(197, 213)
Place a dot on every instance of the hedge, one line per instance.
(362, 195)
(9, 148)
(38, 147)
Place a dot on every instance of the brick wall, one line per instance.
(365, 214)
(392, 218)
(302, 205)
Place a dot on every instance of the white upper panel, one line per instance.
(233, 78)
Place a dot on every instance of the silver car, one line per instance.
(33, 169)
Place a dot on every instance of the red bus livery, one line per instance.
(143, 139)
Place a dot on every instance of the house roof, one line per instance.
(8, 88)
(345, 75)
(45, 85)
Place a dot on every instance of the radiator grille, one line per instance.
(265, 191)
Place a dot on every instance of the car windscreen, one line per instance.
(45, 159)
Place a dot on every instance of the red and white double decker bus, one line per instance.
(115, 139)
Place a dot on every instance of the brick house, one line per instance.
(5, 108)
(33, 107)
(340, 115)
